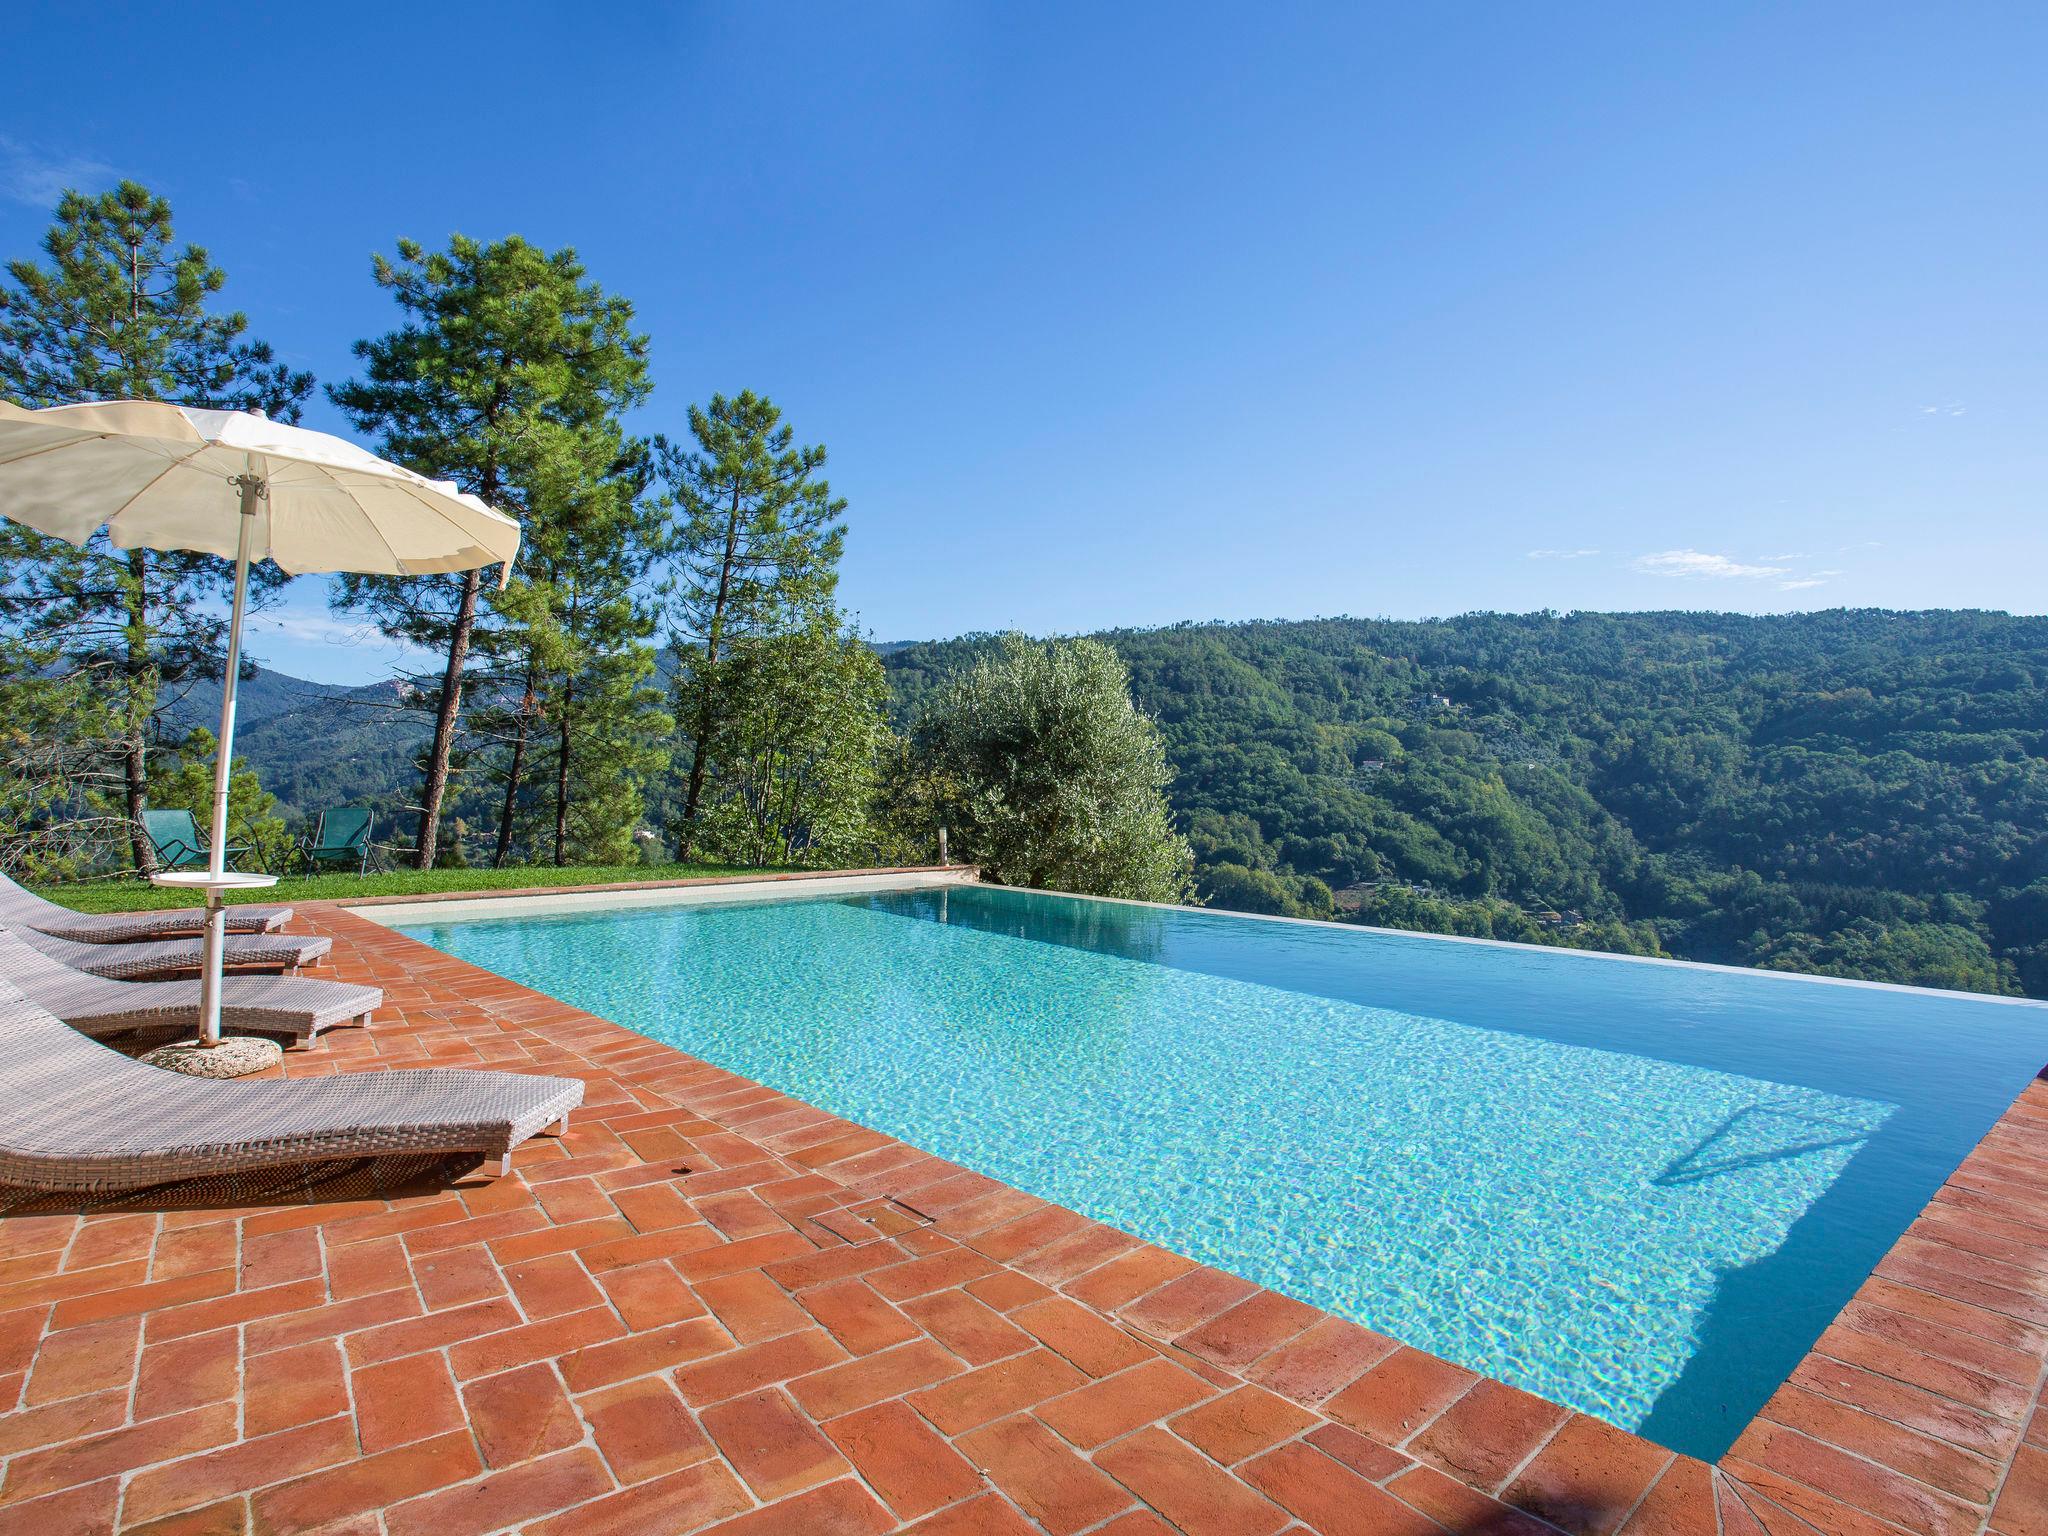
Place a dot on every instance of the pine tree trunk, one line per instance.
(513, 776)
(562, 780)
(444, 722)
(141, 705)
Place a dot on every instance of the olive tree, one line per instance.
(1053, 778)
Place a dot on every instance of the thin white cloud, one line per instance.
(36, 176)
(1800, 583)
(1560, 554)
(1953, 408)
(1691, 563)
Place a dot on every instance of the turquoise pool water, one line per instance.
(1638, 1189)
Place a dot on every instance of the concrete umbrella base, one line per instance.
(235, 1056)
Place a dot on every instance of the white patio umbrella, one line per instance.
(235, 484)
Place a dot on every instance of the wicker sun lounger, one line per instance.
(157, 958)
(25, 909)
(290, 1008)
(75, 1115)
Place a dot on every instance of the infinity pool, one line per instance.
(1639, 1189)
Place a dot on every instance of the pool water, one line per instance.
(1638, 1189)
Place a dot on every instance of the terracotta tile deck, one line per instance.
(714, 1307)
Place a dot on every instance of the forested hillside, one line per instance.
(1855, 793)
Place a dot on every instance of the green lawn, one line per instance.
(134, 896)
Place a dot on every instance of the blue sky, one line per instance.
(1125, 315)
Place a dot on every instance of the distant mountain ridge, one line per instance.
(1855, 792)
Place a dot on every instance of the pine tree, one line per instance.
(508, 377)
(119, 310)
(758, 541)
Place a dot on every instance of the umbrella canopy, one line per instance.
(235, 484)
(164, 477)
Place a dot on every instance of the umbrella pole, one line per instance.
(215, 942)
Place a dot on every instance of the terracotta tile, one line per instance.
(1332, 1498)
(1680, 1503)
(1142, 1522)
(771, 1444)
(989, 1515)
(1049, 1482)
(1327, 1356)
(90, 1458)
(965, 1326)
(748, 1253)
(510, 1497)
(890, 1373)
(1588, 1478)
(1241, 1423)
(1400, 1395)
(1116, 1405)
(1098, 1347)
(657, 1349)
(134, 1300)
(754, 1366)
(1368, 1458)
(681, 1501)
(934, 1272)
(833, 1264)
(371, 1483)
(1487, 1433)
(751, 1306)
(81, 1360)
(1187, 1303)
(2022, 1507)
(187, 1373)
(363, 1269)
(1012, 1239)
(858, 1318)
(1453, 1505)
(292, 1386)
(332, 1321)
(1924, 1457)
(843, 1508)
(655, 1207)
(227, 1311)
(1199, 1497)
(1075, 1255)
(229, 1517)
(508, 1347)
(86, 1511)
(457, 1277)
(913, 1469)
(1006, 1290)
(643, 1429)
(400, 1401)
(552, 1286)
(1261, 1322)
(521, 1414)
(436, 1330)
(1784, 1506)
(993, 1391)
(70, 1418)
(213, 1475)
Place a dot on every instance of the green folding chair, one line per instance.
(340, 840)
(178, 843)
